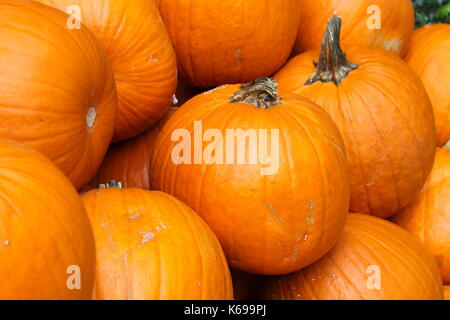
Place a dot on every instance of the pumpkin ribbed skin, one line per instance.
(129, 161)
(267, 224)
(386, 119)
(219, 42)
(60, 99)
(151, 246)
(141, 55)
(428, 216)
(396, 27)
(348, 272)
(44, 229)
(428, 55)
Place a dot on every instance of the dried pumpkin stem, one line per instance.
(262, 92)
(333, 65)
(111, 184)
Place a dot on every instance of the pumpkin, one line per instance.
(57, 90)
(428, 55)
(141, 55)
(446, 292)
(265, 171)
(383, 24)
(373, 260)
(47, 248)
(151, 246)
(245, 285)
(428, 216)
(383, 113)
(219, 42)
(129, 161)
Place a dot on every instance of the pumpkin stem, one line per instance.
(262, 92)
(111, 184)
(447, 146)
(332, 65)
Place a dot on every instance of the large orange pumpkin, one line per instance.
(429, 56)
(428, 216)
(267, 173)
(373, 260)
(384, 24)
(151, 246)
(220, 42)
(383, 112)
(141, 54)
(57, 90)
(47, 248)
(129, 161)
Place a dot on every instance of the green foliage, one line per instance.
(432, 11)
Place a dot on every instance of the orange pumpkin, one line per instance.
(428, 55)
(384, 115)
(47, 248)
(219, 42)
(428, 216)
(141, 55)
(383, 24)
(267, 173)
(129, 161)
(151, 246)
(446, 292)
(57, 90)
(373, 260)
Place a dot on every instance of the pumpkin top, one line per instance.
(262, 92)
(332, 65)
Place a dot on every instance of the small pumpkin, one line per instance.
(428, 55)
(428, 215)
(129, 161)
(265, 171)
(57, 90)
(47, 248)
(151, 246)
(383, 112)
(383, 24)
(373, 260)
(141, 54)
(219, 42)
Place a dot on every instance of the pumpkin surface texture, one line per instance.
(428, 216)
(129, 161)
(151, 246)
(278, 200)
(60, 99)
(373, 260)
(47, 248)
(429, 57)
(219, 42)
(447, 293)
(383, 113)
(383, 24)
(141, 55)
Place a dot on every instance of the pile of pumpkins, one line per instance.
(93, 95)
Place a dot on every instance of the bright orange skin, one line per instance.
(129, 161)
(446, 292)
(397, 23)
(428, 55)
(387, 122)
(151, 246)
(219, 42)
(44, 229)
(51, 78)
(407, 271)
(267, 224)
(141, 54)
(428, 216)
